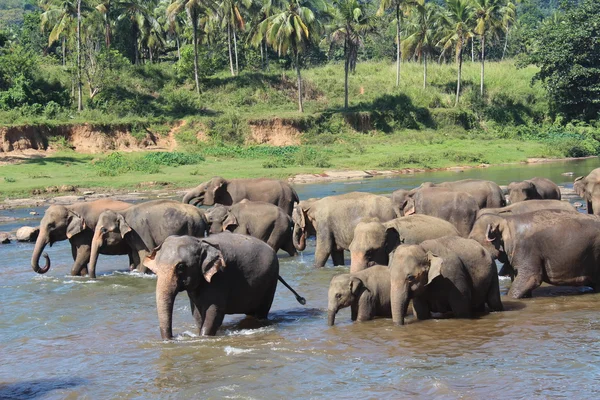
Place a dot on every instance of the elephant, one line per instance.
(226, 273)
(374, 240)
(486, 193)
(75, 222)
(264, 221)
(145, 226)
(534, 188)
(441, 275)
(333, 219)
(528, 206)
(553, 246)
(228, 192)
(589, 189)
(458, 208)
(366, 292)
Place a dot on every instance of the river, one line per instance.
(75, 338)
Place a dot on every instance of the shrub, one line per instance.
(173, 159)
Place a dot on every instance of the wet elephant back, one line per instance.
(90, 211)
(416, 228)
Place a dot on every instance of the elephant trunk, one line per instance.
(358, 261)
(331, 317)
(400, 300)
(165, 299)
(299, 238)
(97, 242)
(192, 197)
(41, 242)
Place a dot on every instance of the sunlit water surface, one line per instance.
(64, 337)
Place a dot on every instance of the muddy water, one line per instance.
(64, 337)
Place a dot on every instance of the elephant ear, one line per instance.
(579, 186)
(355, 285)
(230, 223)
(492, 232)
(435, 266)
(76, 225)
(392, 239)
(211, 260)
(150, 260)
(218, 184)
(124, 227)
(299, 216)
(409, 206)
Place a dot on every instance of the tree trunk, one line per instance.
(460, 54)
(178, 50)
(79, 85)
(424, 71)
(262, 57)
(482, 64)
(195, 32)
(136, 56)
(64, 51)
(346, 68)
(397, 44)
(266, 55)
(235, 51)
(300, 106)
(505, 44)
(230, 52)
(472, 50)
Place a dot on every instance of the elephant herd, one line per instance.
(434, 246)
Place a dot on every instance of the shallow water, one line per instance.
(64, 337)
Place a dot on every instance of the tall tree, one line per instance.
(350, 23)
(509, 18)
(138, 13)
(458, 22)
(290, 29)
(230, 11)
(423, 24)
(59, 17)
(488, 23)
(397, 6)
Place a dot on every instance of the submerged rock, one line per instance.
(4, 238)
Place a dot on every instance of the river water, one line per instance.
(74, 338)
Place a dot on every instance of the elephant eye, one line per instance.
(338, 296)
(179, 268)
(410, 277)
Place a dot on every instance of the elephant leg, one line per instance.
(196, 313)
(132, 264)
(213, 318)
(366, 308)
(140, 257)
(322, 251)
(289, 248)
(354, 311)
(460, 305)
(81, 257)
(493, 296)
(421, 308)
(524, 285)
(337, 256)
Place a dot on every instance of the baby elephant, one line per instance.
(366, 292)
(534, 188)
(263, 221)
(442, 275)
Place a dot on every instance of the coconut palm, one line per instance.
(58, 17)
(488, 22)
(139, 14)
(424, 27)
(291, 29)
(350, 24)
(458, 21)
(230, 14)
(509, 18)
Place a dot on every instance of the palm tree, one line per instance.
(488, 19)
(397, 5)
(458, 21)
(289, 29)
(509, 18)
(232, 17)
(350, 24)
(424, 25)
(58, 16)
(105, 8)
(193, 10)
(138, 13)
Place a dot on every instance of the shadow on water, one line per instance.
(37, 388)
(280, 317)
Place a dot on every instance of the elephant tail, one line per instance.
(299, 298)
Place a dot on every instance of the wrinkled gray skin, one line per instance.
(263, 221)
(589, 189)
(533, 189)
(528, 206)
(76, 222)
(229, 192)
(486, 193)
(333, 219)
(145, 226)
(458, 208)
(373, 240)
(442, 275)
(367, 293)
(557, 247)
(223, 274)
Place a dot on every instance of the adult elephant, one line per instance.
(227, 192)
(333, 219)
(145, 226)
(534, 188)
(486, 193)
(589, 189)
(374, 240)
(458, 208)
(264, 221)
(75, 222)
(442, 275)
(528, 206)
(223, 274)
(552, 246)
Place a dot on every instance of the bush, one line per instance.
(173, 159)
